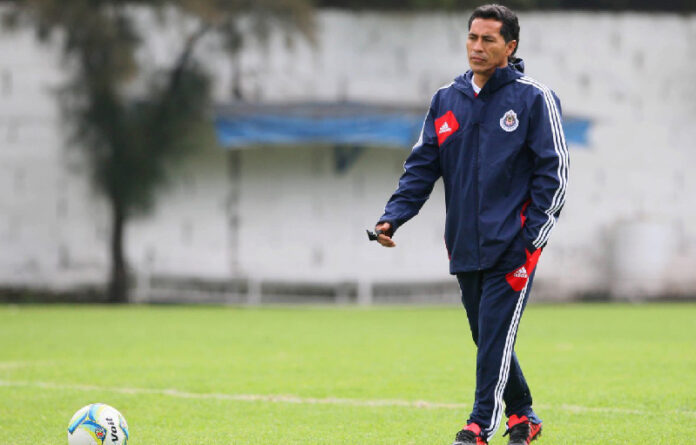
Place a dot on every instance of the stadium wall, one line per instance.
(288, 215)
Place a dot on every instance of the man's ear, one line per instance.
(510, 47)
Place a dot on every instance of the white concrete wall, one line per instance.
(299, 219)
(305, 221)
(53, 231)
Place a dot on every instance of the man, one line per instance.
(495, 137)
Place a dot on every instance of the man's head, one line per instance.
(493, 36)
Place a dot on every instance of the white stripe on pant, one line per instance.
(505, 365)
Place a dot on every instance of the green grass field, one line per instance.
(600, 374)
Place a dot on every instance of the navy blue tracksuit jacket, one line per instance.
(503, 159)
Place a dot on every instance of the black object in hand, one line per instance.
(373, 236)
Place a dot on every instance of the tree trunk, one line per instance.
(118, 281)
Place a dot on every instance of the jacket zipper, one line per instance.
(481, 113)
(476, 193)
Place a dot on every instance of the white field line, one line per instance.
(23, 364)
(271, 398)
(291, 399)
(11, 365)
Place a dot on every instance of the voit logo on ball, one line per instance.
(97, 424)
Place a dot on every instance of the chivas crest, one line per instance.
(509, 121)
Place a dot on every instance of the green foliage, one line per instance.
(128, 141)
(599, 373)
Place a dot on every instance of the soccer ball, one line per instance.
(97, 424)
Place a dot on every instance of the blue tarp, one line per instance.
(330, 124)
(356, 125)
(576, 130)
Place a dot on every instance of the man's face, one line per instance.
(486, 47)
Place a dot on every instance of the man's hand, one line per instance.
(384, 239)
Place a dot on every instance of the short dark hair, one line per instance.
(511, 26)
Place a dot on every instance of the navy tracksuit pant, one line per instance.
(494, 300)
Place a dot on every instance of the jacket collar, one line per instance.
(500, 78)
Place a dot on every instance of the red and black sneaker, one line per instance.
(470, 435)
(521, 430)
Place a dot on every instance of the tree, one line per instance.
(129, 140)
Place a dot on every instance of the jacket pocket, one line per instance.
(518, 278)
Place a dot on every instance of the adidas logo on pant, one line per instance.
(520, 273)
